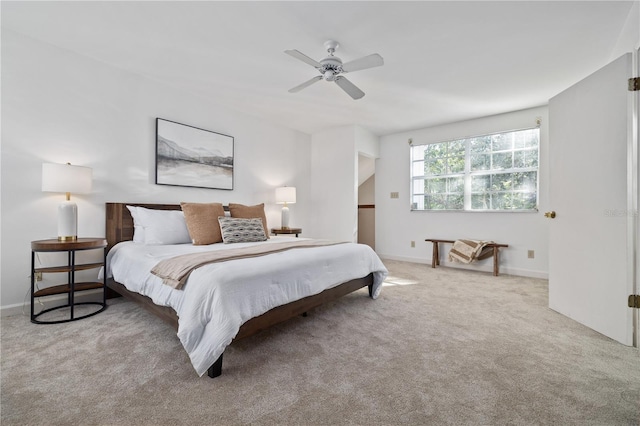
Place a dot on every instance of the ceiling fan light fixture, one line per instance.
(331, 68)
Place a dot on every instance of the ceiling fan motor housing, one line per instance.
(331, 67)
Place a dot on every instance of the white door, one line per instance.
(591, 260)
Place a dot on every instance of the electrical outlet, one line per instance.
(394, 195)
(413, 243)
(38, 276)
(531, 254)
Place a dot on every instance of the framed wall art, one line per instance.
(189, 156)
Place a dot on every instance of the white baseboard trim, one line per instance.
(483, 268)
(403, 259)
(15, 309)
(48, 301)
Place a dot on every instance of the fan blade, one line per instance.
(303, 58)
(305, 84)
(349, 87)
(370, 61)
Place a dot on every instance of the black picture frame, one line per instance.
(193, 157)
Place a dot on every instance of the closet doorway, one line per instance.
(366, 201)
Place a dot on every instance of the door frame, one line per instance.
(633, 195)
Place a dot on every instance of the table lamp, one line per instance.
(66, 178)
(284, 195)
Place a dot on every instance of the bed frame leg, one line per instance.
(370, 290)
(216, 369)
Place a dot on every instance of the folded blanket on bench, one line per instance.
(467, 251)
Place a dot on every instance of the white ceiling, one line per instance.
(444, 61)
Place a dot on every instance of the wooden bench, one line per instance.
(435, 258)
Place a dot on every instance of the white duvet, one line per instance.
(218, 298)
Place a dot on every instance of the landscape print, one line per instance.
(189, 156)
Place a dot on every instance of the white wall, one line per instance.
(629, 38)
(60, 107)
(334, 184)
(367, 191)
(367, 143)
(334, 180)
(397, 226)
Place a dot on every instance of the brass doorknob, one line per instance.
(550, 215)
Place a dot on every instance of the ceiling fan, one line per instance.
(331, 68)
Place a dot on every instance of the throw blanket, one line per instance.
(467, 251)
(175, 271)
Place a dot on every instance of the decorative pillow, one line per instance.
(249, 212)
(202, 222)
(238, 230)
(161, 226)
(138, 230)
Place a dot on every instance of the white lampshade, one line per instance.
(286, 195)
(66, 178)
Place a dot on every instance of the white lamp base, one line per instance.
(67, 221)
(285, 217)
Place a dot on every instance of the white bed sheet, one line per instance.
(218, 298)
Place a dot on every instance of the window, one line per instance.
(481, 173)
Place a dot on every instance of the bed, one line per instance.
(128, 264)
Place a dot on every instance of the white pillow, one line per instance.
(160, 226)
(138, 230)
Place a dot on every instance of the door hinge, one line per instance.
(634, 301)
(634, 84)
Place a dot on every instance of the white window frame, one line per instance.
(418, 204)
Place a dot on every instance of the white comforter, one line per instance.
(218, 298)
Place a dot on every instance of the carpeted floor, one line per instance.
(440, 346)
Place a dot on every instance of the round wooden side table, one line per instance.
(71, 287)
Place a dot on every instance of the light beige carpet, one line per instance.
(440, 346)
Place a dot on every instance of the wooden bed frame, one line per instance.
(119, 227)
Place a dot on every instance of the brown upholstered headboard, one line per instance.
(119, 223)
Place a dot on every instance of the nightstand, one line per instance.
(287, 231)
(71, 247)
